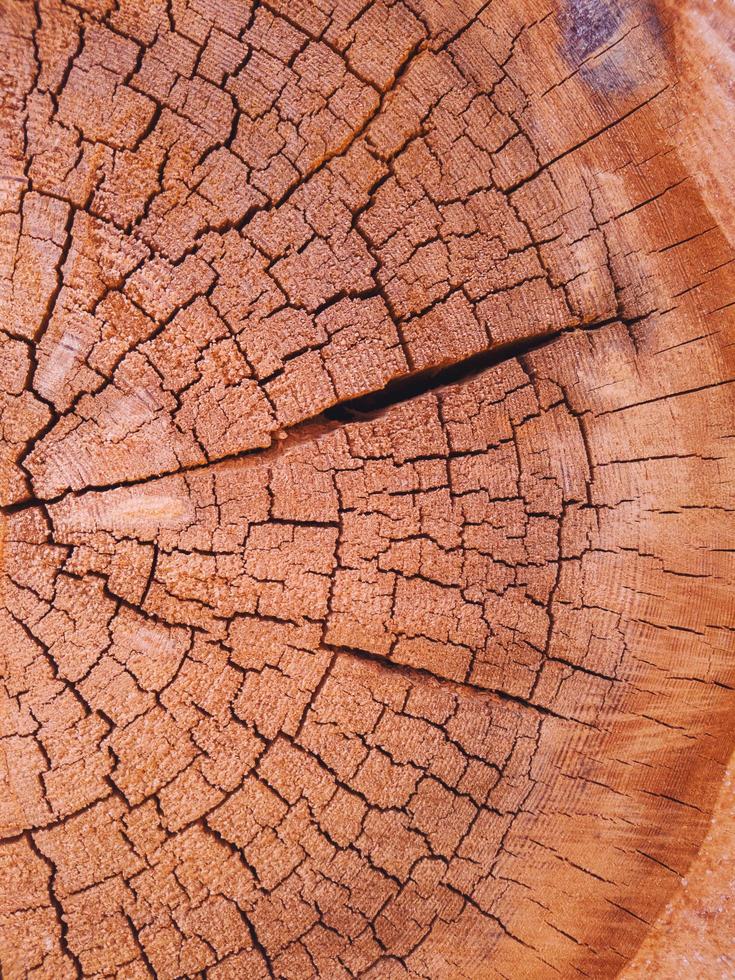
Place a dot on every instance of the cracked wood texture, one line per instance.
(367, 481)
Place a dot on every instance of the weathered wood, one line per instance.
(367, 483)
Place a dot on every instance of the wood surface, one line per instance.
(366, 463)
(693, 937)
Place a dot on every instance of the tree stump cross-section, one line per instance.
(366, 464)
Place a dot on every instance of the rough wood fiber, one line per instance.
(367, 472)
(694, 935)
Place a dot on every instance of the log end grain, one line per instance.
(366, 464)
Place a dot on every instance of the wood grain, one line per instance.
(366, 462)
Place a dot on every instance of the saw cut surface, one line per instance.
(366, 464)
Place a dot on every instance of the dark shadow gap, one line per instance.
(406, 387)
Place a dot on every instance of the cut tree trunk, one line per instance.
(367, 446)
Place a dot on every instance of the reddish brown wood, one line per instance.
(367, 483)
